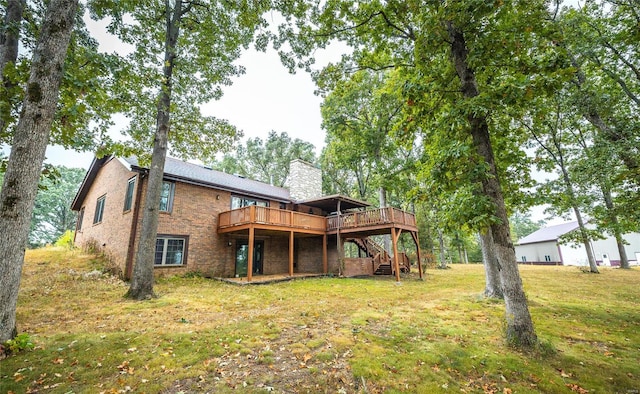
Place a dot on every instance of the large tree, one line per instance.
(361, 113)
(464, 63)
(183, 52)
(85, 103)
(27, 153)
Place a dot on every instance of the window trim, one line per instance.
(185, 250)
(98, 215)
(128, 194)
(172, 192)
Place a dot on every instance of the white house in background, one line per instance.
(545, 247)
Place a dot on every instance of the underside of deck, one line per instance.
(248, 221)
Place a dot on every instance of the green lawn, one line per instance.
(321, 335)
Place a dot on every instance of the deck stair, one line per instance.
(382, 261)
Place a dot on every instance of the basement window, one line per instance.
(170, 251)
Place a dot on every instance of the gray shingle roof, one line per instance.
(193, 173)
(551, 233)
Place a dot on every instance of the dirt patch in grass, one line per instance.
(319, 335)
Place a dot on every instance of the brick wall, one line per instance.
(194, 214)
(358, 266)
(112, 233)
(309, 255)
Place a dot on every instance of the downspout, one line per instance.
(134, 228)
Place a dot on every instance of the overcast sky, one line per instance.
(265, 98)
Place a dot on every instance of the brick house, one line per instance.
(226, 226)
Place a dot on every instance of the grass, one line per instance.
(320, 335)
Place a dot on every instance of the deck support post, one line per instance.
(394, 239)
(291, 246)
(325, 267)
(250, 256)
(415, 239)
(339, 243)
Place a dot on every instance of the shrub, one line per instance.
(19, 343)
(66, 240)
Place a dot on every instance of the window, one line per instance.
(166, 196)
(524, 259)
(239, 202)
(128, 197)
(97, 216)
(547, 258)
(80, 218)
(170, 251)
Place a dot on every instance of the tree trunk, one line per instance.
(382, 195)
(519, 330)
(27, 153)
(584, 236)
(493, 287)
(443, 261)
(608, 201)
(141, 287)
(9, 43)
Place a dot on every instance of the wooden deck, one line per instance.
(270, 219)
(372, 220)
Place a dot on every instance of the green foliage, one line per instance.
(522, 225)
(266, 160)
(66, 239)
(52, 215)
(189, 68)
(20, 343)
(86, 101)
(361, 114)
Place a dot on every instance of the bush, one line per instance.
(66, 239)
(17, 344)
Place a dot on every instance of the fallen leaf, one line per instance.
(574, 387)
(58, 361)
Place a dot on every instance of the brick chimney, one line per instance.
(305, 180)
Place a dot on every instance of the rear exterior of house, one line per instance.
(222, 225)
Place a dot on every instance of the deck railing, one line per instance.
(371, 217)
(271, 216)
(291, 219)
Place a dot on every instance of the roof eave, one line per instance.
(89, 177)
